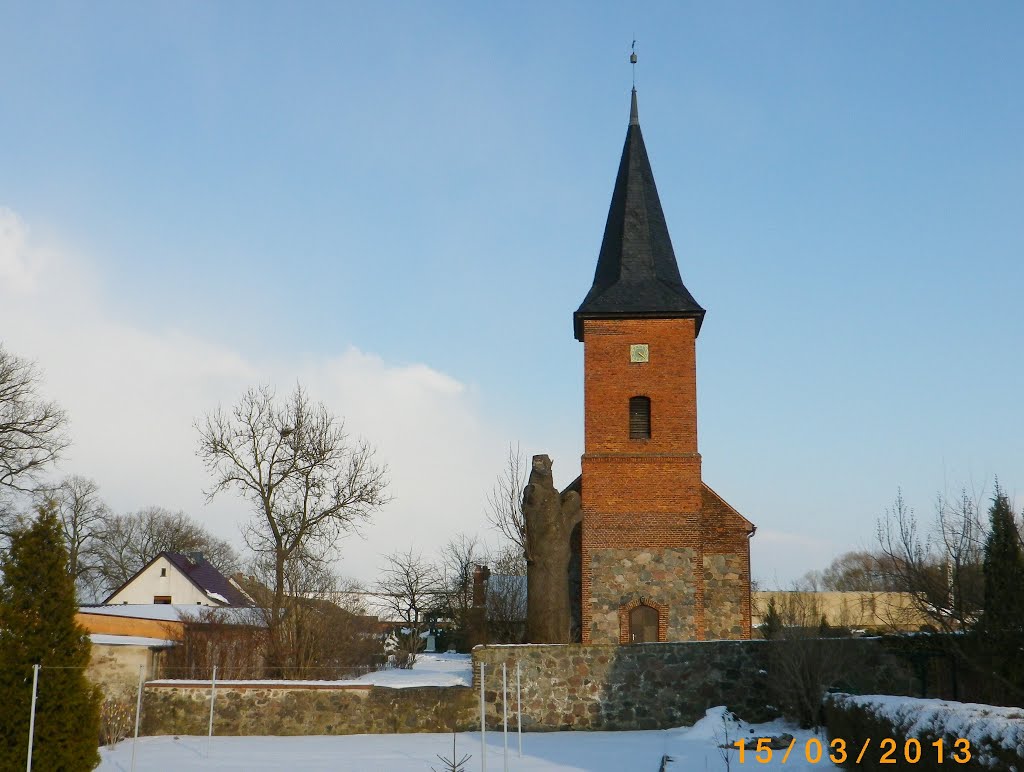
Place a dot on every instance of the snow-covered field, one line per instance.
(692, 749)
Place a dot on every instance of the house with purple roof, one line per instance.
(178, 579)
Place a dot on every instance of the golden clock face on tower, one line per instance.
(638, 352)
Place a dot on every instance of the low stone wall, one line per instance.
(642, 686)
(654, 685)
(308, 710)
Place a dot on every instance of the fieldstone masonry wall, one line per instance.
(724, 595)
(308, 710)
(655, 685)
(642, 686)
(665, 576)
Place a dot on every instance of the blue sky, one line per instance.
(401, 204)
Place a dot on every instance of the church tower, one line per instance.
(664, 558)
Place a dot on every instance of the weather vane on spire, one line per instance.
(632, 61)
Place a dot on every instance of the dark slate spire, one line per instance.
(637, 275)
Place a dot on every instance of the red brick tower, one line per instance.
(664, 558)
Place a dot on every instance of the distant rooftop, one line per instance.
(202, 573)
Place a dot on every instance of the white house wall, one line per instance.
(149, 585)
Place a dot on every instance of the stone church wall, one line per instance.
(665, 576)
(725, 596)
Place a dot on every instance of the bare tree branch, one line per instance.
(409, 587)
(32, 429)
(940, 568)
(505, 501)
(307, 483)
(459, 557)
(82, 514)
(125, 543)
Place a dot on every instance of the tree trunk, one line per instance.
(550, 518)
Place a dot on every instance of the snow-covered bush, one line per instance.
(995, 735)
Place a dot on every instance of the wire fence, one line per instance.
(122, 719)
(114, 724)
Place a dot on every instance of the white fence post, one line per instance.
(138, 712)
(213, 696)
(504, 710)
(32, 716)
(483, 723)
(519, 710)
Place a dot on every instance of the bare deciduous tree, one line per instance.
(508, 560)
(32, 429)
(308, 483)
(409, 587)
(855, 571)
(233, 640)
(506, 597)
(802, 664)
(82, 516)
(505, 501)
(459, 557)
(125, 543)
(324, 632)
(940, 567)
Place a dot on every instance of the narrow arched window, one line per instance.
(639, 418)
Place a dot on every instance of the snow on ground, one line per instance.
(692, 749)
(429, 670)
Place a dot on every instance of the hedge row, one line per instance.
(923, 734)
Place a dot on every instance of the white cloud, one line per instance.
(19, 265)
(133, 394)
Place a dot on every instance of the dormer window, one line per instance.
(639, 418)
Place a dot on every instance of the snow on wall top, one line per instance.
(983, 725)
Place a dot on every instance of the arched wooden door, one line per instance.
(643, 625)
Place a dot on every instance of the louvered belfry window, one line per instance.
(639, 418)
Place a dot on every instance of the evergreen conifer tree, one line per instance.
(1002, 622)
(1004, 570)
(771, 627)
(37, 625)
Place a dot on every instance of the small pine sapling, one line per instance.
(450, 764)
